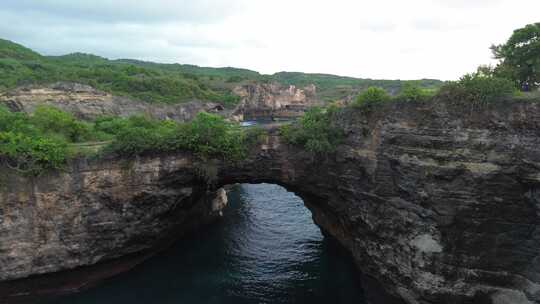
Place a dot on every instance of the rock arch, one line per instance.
(438, 204)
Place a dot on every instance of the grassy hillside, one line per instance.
(332, 87)
(12, 50)
(171, 83)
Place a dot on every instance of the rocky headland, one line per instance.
(274, 101)
(437, 202)
(257, 101)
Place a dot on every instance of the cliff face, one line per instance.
(438, 203)
(274, 100)
(86, 102)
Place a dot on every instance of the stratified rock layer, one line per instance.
(439, 203)
(85, 102)
(274, 101)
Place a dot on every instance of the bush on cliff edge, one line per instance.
(27, 146)
(477, 88)
(315, 131)
(45, 140)
(207, 136)
(371, 96)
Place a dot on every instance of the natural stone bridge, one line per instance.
(438, 203)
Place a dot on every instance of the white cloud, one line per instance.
(128, 10)
(376, 39)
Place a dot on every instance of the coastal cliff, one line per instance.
(257, 101)
(438, 202)
(85, 102)
(274, 101)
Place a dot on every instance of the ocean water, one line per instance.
(266, 249)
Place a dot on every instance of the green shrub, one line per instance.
(38, 142)
(371, 96)
(207, 136)
(135, 140)
(46, 139)
(412, 92)
(477, 88)
(17, 122)
(110, 125)
(314, 131)
(135, 135)
(52, 120)
(32, 154)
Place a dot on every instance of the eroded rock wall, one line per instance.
(87, 103)
(98, 212)
(274, 101)
(437, 202)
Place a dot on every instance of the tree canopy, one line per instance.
(520, 57)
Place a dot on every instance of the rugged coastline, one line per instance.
(257, 101)
(436, 201)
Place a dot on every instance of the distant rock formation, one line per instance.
(85, 102)
(266, 101)
(273, 100)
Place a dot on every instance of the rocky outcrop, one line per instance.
(86, 102)
(94, 214)
(266, 101)
(437, 202)
(274, 101)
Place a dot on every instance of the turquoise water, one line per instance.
(266, 249)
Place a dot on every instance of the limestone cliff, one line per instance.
(439, 203)
(86, 102)
(274, 100)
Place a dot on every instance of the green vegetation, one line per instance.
(412, 92)
(21, 66)
(45, 140)
(315, 131)
(477, 88)
(170, 83)
(12, 50)
(207, 136)
(332, 87)
(52, 120)
(32, 154)
(34, 143)
(519, 68)
(520, 57)
(371, 96)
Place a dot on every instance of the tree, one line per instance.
(520, 57)
(372, 95)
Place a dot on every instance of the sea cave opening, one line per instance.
(265, 249)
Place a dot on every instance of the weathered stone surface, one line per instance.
(274, 100)
(439, 203)
(86, 102)
(99, 212)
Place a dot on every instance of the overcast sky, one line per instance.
(388, 39)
